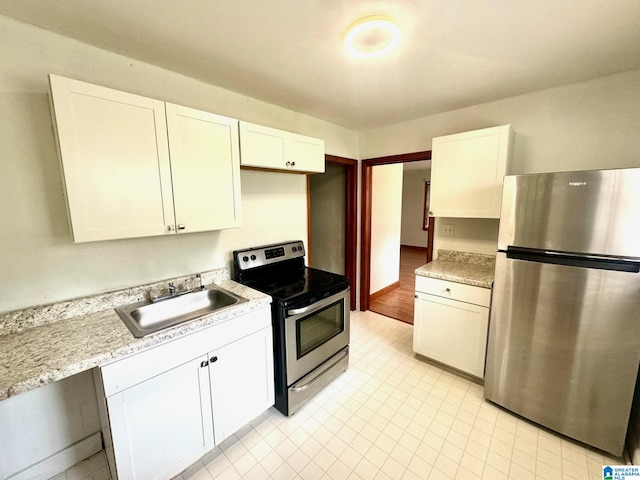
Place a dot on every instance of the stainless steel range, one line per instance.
(310, 319)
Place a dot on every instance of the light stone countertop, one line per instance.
(468, 268)
(36, 349)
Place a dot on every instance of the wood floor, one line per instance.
(398, 303)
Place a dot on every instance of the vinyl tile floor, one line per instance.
(393, 416)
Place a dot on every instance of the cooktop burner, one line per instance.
(278, 270)
(304, 281)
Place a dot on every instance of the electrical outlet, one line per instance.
(448, 230)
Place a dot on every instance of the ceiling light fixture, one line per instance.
(372, 36)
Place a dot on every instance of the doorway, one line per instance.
(367, 187)
(408, 244)
(331, 205)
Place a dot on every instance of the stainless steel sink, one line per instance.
(143, 318)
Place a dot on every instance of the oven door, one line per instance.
(314, 333)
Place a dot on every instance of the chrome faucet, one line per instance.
(199, 276)
(172, 293)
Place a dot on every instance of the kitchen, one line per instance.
(582, 125)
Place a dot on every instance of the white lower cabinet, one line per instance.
(164, 408)
(160, 425)
(241, 386)
(451, 322)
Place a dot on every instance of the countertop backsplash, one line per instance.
(19, 320)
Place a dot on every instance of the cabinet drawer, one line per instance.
(131, 370)
(455, 291)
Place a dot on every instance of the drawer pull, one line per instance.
(448, 290)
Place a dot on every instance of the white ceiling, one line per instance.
(454, 53)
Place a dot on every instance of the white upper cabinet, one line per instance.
(306, 154)
(467, 171)
(262, 147)
(205, 168)
(273, 149)
(127, 160)
(115, 161)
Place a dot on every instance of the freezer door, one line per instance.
(564, 346)
(593, 212)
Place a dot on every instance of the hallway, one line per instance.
(398, 303)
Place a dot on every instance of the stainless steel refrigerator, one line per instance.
(564, 330)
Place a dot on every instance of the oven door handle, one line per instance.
(340, 357)
(314, 306)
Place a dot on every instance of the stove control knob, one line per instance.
(245, 259)
(253, 257)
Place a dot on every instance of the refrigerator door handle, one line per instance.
(600, 262)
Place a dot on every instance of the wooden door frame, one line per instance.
(351, 220)
(365, 247)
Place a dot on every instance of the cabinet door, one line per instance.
(451, 332)
(115, 161)
(262, 147)
(162, 425)
(274, 149)
(205, 167)
(306, 154)
(467, 173)
(242, 384)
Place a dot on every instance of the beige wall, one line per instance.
(327, 223)
(413, 180)
(386, 202)
(592, 124)
(39, 262)
(39, 423)
(587, 125)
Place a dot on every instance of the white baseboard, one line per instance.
(61, 461)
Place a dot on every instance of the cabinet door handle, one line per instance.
(213, 359)
(288, 164)
(181, 226)
(431, 213)
(204, 363)
(293, 164)
(171, 228)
